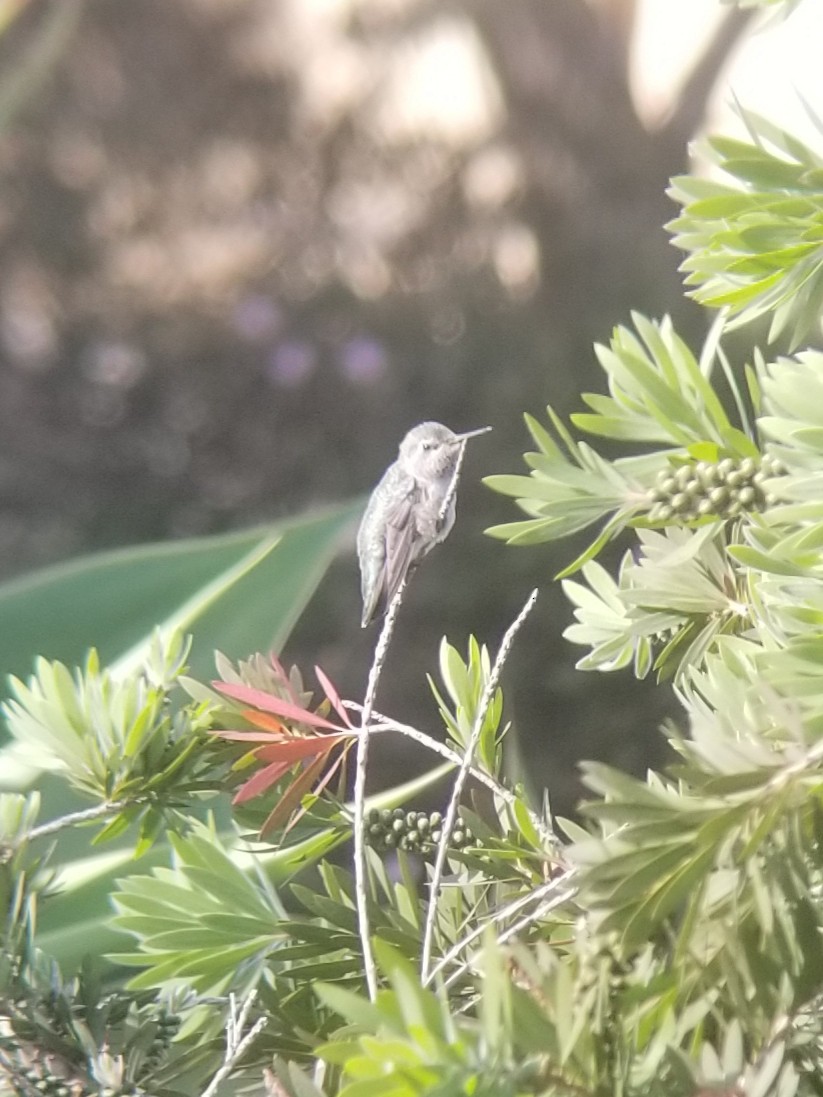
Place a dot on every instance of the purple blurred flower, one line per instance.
(363, 360)
(256, 317)
(292, 363)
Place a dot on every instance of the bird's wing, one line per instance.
(402, 540)
(381, 538)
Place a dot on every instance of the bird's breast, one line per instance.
(431, 528)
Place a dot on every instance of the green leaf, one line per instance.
(239, 592)
(755, 245)
(356, 1009)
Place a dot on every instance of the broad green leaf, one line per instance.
(239, 592)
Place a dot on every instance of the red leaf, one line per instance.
(260, 782)
(295, 749)
(333, 696)
(327, 776)
(263, 720)
(292, 796)
(269, 703)
(289, 807)
(248, 736)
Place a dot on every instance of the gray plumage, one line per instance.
(402, 520)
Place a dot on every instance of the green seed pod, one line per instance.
(706, 473)
(746, 495)
(748, 467)
(683, 475)
(725, 468)
(772, 465)
(735, 478)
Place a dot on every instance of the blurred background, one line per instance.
(246, 244)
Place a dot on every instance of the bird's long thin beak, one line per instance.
(471, 434)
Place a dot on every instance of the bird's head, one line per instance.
(430, 450)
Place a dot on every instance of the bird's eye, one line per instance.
(428, 445)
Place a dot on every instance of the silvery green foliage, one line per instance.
(754, 237)
(714, 870)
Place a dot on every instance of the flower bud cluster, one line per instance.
(416, 831)
(723, 489)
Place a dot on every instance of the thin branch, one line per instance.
(450, 494)
(36, 63)
(56, 825)
(460, 780)
(361, 763)
(361, 768)
(236, 1044)
(539, 911)
(383, 723)
(500, 915)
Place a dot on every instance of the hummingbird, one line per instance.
(403, 520)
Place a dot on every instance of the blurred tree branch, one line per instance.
(35, 63)
(690, 108)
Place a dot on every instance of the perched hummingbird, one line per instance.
(402, 521)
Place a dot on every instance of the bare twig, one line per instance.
(690, 109)
(236, 1043)
(552, 894)
(383, 723)
(450, 494)
(88, 814)
(460, 781)
(361, 768)
(361, 763)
